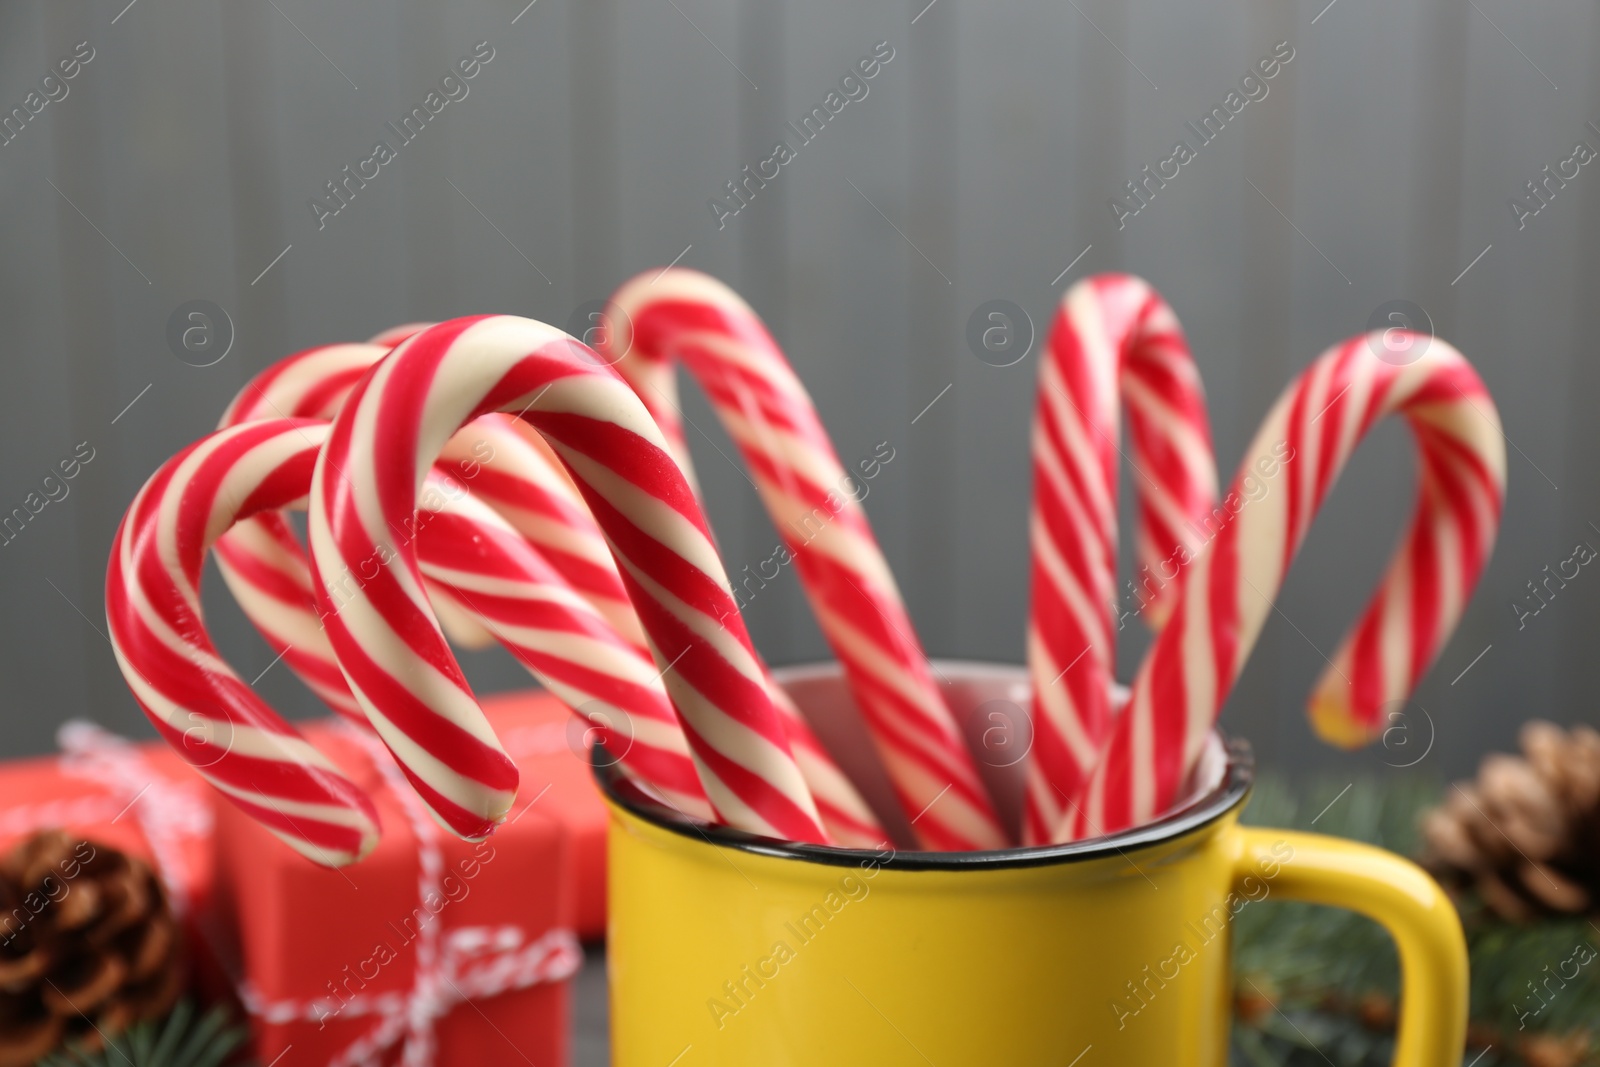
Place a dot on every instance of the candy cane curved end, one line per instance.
(656, 321)
(509, 553)
(260, 558)
(1451, 533)
(384, 632)
(1227, 595)
(196, 701)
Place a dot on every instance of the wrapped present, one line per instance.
(431, 950)
(549, 743)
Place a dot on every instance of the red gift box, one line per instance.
(432, 950)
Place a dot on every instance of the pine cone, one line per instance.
(88, 945)
(1526, 834)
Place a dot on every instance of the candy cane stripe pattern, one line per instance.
(544, 507)
(514, 471)
(505, 463)
(477, 561)
(202, 708)
(485, 570)
(1114, 342)
(262, 562)
(683, 314)
(259, 558)
(541, 503)
(1225, 598)
(501, 460)
(369, 586)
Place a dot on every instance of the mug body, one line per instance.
(726, 948)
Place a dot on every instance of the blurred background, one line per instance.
(180, 163)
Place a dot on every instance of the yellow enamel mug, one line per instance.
(729, 949)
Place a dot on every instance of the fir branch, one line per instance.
(180, 1040)
(1323, 966)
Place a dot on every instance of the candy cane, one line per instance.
(543, 505)
(260, 559)
(525, 483)
(555, 633)
(558, 636)
(1113, 339)
(203, 709)
(476, 561)
(369, 586)
(521, 478)
(507, 464)
(1227, 594)
(686, 315)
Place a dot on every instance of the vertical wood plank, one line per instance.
(845, 330)
(931, 212)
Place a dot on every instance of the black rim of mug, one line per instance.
(1204, 810)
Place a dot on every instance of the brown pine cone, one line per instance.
(1526, 834)
(88, 945)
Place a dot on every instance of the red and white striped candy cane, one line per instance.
(540, 501)
(685, 315)
(845, 815)
(475, 560)
(1114, 342)
(567, 645)
(369, 586)
(523, 482)
(197, 702)
(518, 475)
(260, 558)
(611, 681)
(507, 464)
(544, 506)
(1226, 596)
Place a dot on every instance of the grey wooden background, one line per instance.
(180, 164)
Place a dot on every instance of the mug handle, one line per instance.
(1406, 901)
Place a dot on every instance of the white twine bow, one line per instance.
(452, 968)
(476, 962)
